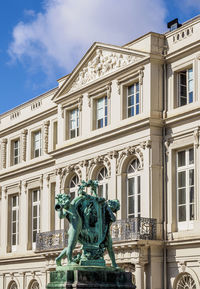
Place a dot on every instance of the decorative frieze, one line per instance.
(196, 137)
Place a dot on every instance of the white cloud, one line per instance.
(60, 35)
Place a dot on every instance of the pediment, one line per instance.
(97, 63)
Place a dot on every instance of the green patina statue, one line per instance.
(90, 218)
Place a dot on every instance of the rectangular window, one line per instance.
(185, 87)
(133, 99)
(16, 152)
(37, 144)
(102, 112)
(185, 188)
(134, 196)
(74, 123)
(14, 222)
(35, 214)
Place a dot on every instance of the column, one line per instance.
(139, 275)
(46, 136)
(61, 125)
(24, 144)
(4, 221)
(45, 205)
(3, 152)
(23, 226)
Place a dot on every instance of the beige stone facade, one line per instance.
(129, 117)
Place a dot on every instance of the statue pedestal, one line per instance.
(85, 277)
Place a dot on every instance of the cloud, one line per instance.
(61, 34)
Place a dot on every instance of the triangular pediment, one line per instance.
(100, 61)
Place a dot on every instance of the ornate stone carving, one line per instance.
(131, 150)
(98, 161)
(80, 103)
(24, 144)
(141, 75)
(3, 151)
(103, 63)
(167, 143)
(13, 285)
(35, 285)
(196, 137)
(46, 136)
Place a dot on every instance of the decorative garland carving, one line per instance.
(46, 136)
(24, 144)
(3, 149)
(196, 137)
(98, 161)
(103, 63)
(75, 168)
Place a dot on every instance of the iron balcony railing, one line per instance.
(122, 230)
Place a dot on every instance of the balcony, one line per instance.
(121, 230)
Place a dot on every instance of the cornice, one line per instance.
(25, 168)
(178, 53)
(178, 117)
(107, 134)
(24, 123)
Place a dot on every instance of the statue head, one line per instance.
(114, 205)
(63, 202)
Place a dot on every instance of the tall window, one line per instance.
(35, 214)
(16, 152)
(73, 186)
(102, 112)
(103, 183)
(133, 99)
(14, 222)
(185, 188)
(185, 87)
(133, 189)
(74, 123)
(37, 144)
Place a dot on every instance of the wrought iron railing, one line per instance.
(134, 229)
(122, 230)
(52, 240)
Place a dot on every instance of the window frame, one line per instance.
(12, 154)
(187, 224)
(67, 110)
(134, 175)
(103, 183)
(36, 204)
(16, 209)
(33, 143)
(77, 123)
(179, 85)
(105, 111)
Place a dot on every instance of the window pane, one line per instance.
(14, 201)
(34, 236)
(100, 191)
(191, 97)
(137, 86)
(14, 240)
(35, 196)
(14, 215)
(137, 98)
(181, 196)
(100, 113)
(137, 109)
(191, 177)
(183, 77)
(182, 213)
(131, 186)
(192, 195)
(138, 184)
(131, 90)
(72, 133)
(35, 211)
(190, 73)
(100, 123)
(183, 101)
(34, 223)
(14, 227)
(183, 91)
(191, 212)
(131, 205)
(181, 159)
(181, 179)
(190, 85)
(191, 156)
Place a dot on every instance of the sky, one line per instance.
(42, 41)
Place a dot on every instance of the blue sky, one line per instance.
(43, 40)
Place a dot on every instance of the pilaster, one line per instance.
(24, 144)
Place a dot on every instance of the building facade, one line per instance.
(129, 117)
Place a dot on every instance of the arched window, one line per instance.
(35, 285)
(73, 186)
(186, 282)
(13, 285)
(133, 189)
(102, 178)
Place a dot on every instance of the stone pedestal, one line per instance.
(90, 277)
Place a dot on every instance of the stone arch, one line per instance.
(188, 276)
(126, 156)
(67, 175)
(96, 165)
(35, 284)
(13, 285)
